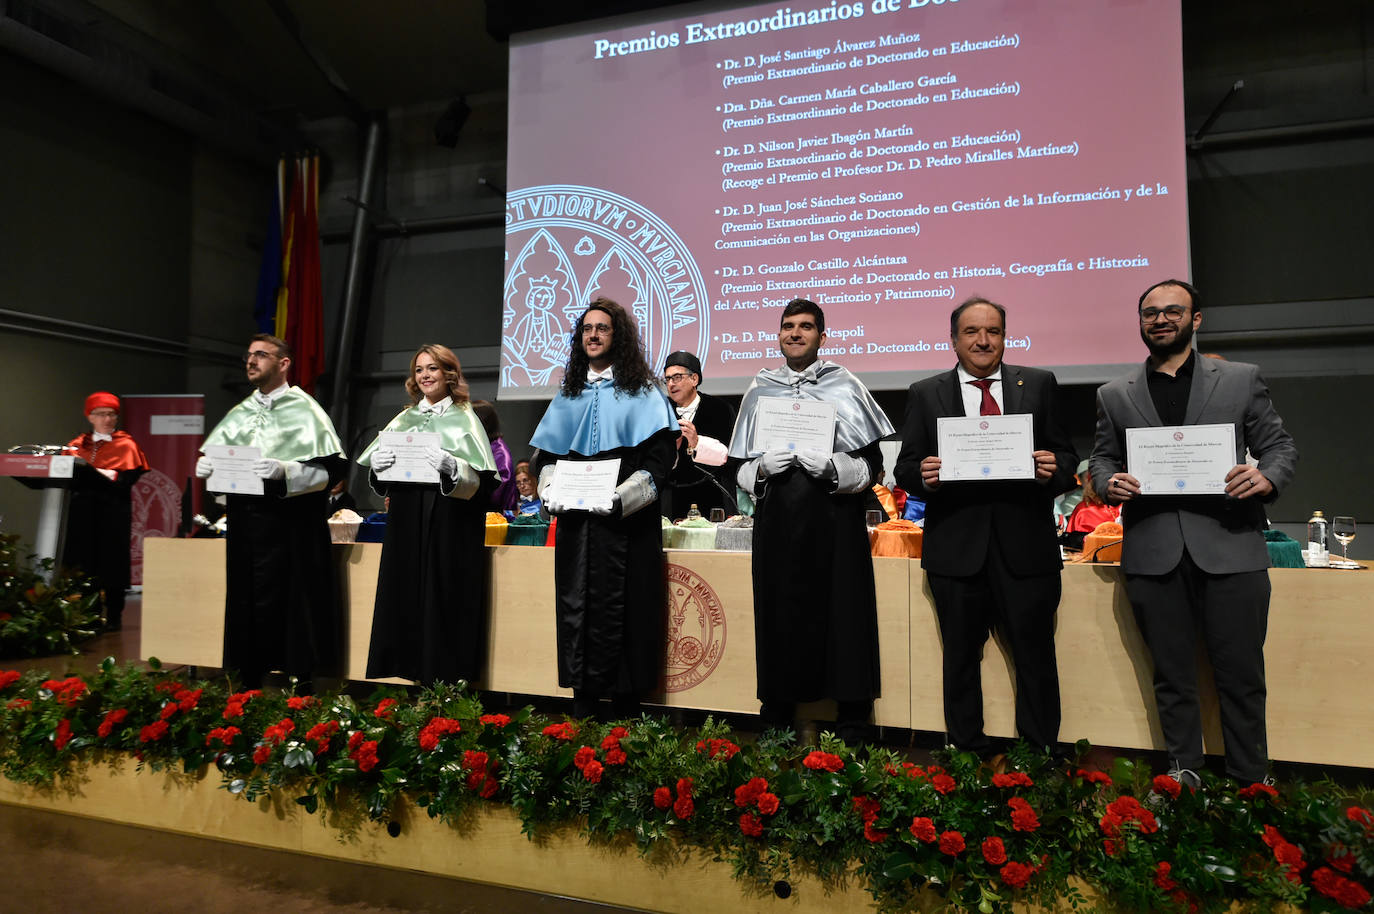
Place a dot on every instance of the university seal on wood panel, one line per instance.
(696, 629)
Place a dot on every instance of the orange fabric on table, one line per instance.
(886, 499)
(897, 539)
(496, 529)
(1104, 543)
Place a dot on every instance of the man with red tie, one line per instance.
(990, 550)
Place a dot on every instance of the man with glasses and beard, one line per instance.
(699, 476)
(1197, 559)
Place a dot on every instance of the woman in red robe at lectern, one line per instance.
(99, 517)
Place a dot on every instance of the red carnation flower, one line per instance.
(355, 739)
(1012, 779)
(301, 702)
(437, 728)
(66, 691)
(187, 699)
(616, 756)
(1340, 858)
(1345, 892)
(817, 760)
(663, 797)
(262, 754)
(684, 807)
(365, 755)
(564, 731)
(1023, 817)
(592, 771)
(1113, 846)
(952, 843)
(225, 735)
(768, 803)
(1162, 878)
(278, 732)
(994, 852)
(751, 825)
(495, 720)
(685, 786)
(18, 703)
(923, 829)
(110, 720)
(1360, 816)
(1255, 791)
(167, 711)
(1094, 777)
(474, 760)
(584, 755)
(153, 732)
(943, 783)
(715, 747)
(8, 678)
(1166, 786)
(383, 709)
(320, 735)
(748, 794)
(1016, 875)
(489, 788)
(872, 834)
(62, 735)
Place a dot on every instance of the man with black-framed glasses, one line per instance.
(1193, 559)
(699, 475)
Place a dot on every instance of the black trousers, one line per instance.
(1021, 610)
(1233, 612)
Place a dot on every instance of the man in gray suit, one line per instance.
(1191, 559)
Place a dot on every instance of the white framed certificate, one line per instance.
(1181, 459)
(411, 463)
(581, 485)
(793, 424)
(233, 469)
(986, 447)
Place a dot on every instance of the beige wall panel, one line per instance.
(183, 601)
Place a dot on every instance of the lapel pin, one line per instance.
(1019, 383)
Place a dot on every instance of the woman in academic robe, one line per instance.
(429, 621)
(99, 516)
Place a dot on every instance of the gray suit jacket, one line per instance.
(1223, 535)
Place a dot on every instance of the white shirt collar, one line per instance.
(966, 378)
(101, 436)
(690, 410)
(438, 408)
(267, 399)
(593, 375)
(807, 374)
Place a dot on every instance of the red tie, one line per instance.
(989, 406)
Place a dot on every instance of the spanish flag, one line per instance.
(294, 232)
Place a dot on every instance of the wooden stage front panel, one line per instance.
(1320, 647)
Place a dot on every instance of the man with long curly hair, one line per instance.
(608, 563)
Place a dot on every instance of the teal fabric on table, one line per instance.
(1284, 551)
(526, 530)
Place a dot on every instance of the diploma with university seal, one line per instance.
(793, 424)
(233, 469)
(411, 463)
(986, 447)
(580, 485)
(1181, 459)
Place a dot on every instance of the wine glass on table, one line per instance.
(1343, 529)
(717, 516)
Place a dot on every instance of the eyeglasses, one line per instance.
(674, 378)
(595, 328)
(104, 413)
(1172, 313)
(254, 355)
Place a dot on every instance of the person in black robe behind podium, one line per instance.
(609, 574)
(99, 515)
(700, 476)
(815, 603)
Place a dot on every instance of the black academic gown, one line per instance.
(816, 627)
(430, 619)
(691, 483)
(281, 605)
(609, 576)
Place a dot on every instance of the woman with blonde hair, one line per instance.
(429, 621)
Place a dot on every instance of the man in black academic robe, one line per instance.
(815, 605)
(700, 475)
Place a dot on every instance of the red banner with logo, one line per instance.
(170, 429)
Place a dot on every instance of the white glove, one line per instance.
(816, 464)
(546, 492)
(442, 461)
(267, 468)
(774, 462)
(383, 458)
(608, 510)
(204, 467)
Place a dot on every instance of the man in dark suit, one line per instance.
(699, 475)
(1191, 559)
(990, 551)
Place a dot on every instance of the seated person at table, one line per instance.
(429, 623)
(1092, 510)
(98, 517)
(528, 501)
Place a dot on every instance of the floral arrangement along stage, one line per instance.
(955, 833)
(43, 613)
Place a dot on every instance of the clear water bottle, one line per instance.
(1317, 556)
(695, 514)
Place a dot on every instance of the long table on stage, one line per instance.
(1319, 654)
